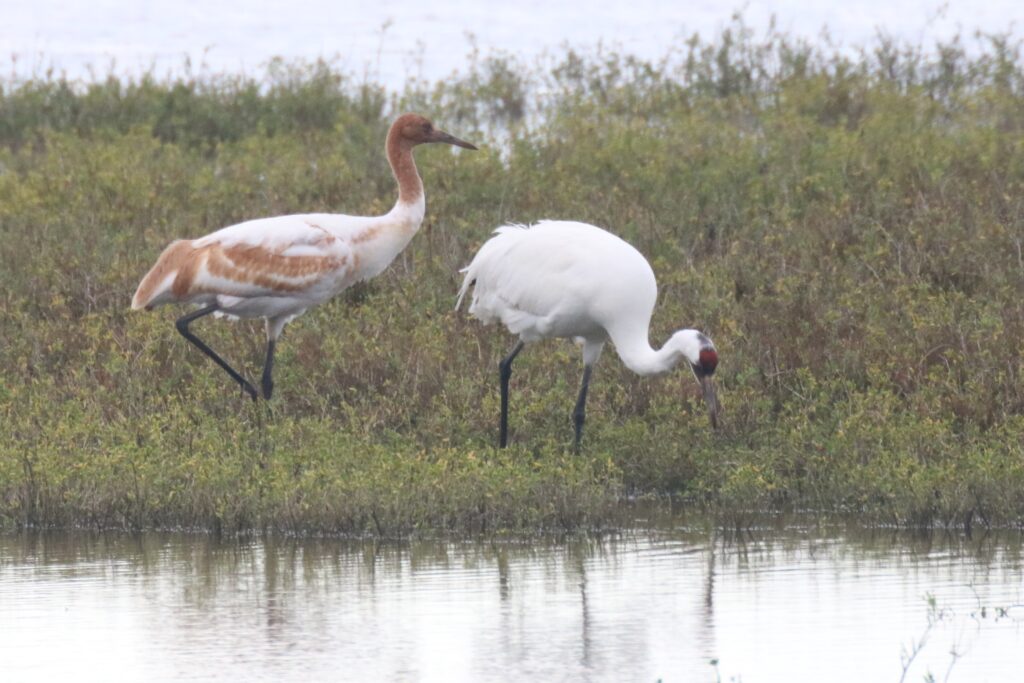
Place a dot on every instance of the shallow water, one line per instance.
(680, 603)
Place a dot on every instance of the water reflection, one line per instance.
(779, 603)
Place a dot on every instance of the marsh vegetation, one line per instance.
(847, 227)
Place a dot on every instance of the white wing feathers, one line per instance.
(487, 259)
(559, 278)
(293, 235)
(524, 276)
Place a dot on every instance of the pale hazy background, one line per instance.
(392, 40)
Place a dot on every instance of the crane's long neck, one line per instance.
(382, 238)
(636, 352)
(399, 151)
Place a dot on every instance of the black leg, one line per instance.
(268, 368)
(182, 325)
(505, 372)
(579, 413)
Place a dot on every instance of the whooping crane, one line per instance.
(568, 279)
(276, 268)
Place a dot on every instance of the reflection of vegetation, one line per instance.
(967, 623)
(848, 230)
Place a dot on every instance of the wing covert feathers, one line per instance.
(185, 270)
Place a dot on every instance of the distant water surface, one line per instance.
(392, 40)
(679, 604)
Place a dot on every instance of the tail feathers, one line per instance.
(510, 227)
(482, 256)
(467, 282)
(162, 277)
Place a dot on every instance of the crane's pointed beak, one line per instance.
(448, 138)
(707, 386)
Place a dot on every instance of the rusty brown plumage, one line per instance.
(399, 151)
(176, 258)
(245, 264)
(262, 267)
(367, 235)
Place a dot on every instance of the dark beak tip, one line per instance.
(711, 399)
(452, 140)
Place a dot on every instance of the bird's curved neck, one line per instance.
(637, 354)
(403, 166)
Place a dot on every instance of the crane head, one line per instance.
(417, 130)
(703, 358)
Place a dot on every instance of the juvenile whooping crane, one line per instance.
(568, 279)
(276, 268)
